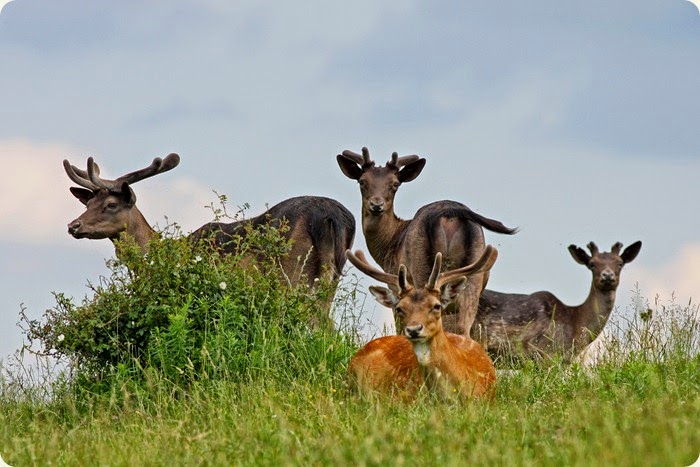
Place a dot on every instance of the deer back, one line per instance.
(320, 230)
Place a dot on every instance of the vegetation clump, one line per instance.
(187, 312)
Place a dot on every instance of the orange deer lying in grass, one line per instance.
(446, 226)
(321, 229)
(424, 355)
(540, 325)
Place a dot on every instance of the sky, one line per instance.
(574, 121)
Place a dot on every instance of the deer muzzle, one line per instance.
(74, 228)
(414, 331)
(376, 205)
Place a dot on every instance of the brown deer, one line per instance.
(321, 229)
(540, 325)
(446, 226)
(424, 355)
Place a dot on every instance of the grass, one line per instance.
(635, 414)
(195, 374)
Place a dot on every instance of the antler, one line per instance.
(399, 162)
(80, 176)
(484, 263)
(593, 247)
(436, 280)
(363, 160)
(90, 179)
(359, 260)
(366, 161)
(616, 248)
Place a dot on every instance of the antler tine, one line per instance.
(593, 247)
(93, 172)
(157, 166)
(353, 156)
(394, 160)
(484, 263)
(404, 160)
(403, 281)
(363, 159)
(399, 162)
(79, 176)
(437, 265)
(366, 160)
(616, 248)
(359, 260)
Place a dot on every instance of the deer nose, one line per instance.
(73, 227)
(376, 205)
(608, 276)
(413, 332)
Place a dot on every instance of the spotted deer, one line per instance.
(320, 229)
(424, 355)
(446, 226)
(539, 325)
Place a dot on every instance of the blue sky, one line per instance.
(575, 121)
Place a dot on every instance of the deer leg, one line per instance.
(468, 304)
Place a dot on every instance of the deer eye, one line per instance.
(400, 312)
(395, 185)
(363, 183)
(437, 308)
(111, 205)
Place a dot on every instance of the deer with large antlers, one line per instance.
(424, 355)
(321, 229)
(446, 226)
(540, 325)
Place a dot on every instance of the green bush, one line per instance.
(188, 313)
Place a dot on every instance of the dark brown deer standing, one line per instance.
(321, 229)
(540, 325)
(424, 355)
(446, 226)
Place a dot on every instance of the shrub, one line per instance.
(187, 312)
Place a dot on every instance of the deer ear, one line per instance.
(128, 194)
(384, 296)
(349, 167)
(410, 171)
(82, 194)
(579, 255)
(450, 290)
(631, 252)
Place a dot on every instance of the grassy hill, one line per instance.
(187, 358)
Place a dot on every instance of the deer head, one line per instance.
(606, 267)
(378, 185)
(420, 310)
(111, 204)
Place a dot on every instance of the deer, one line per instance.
(540, 325)
(320, 229)
(446, 226)
(423, 355)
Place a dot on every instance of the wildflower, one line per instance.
(197, 259)
(222, 285)
(61, 337)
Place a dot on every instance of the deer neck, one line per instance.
(432, 356)
(382, 235)
(593, 314)
(138, 229)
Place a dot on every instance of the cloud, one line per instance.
(34, 201)
(679, 277)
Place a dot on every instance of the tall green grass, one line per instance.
(162, 365)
